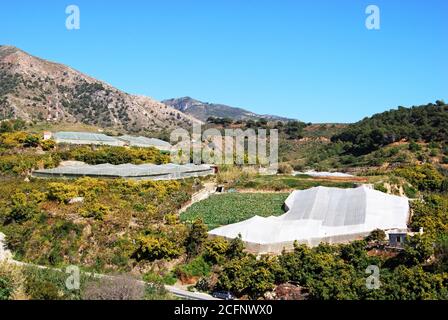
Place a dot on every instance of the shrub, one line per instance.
(376, 235)
(20, 209)
(5, 289)
(47, 144)
(215, 250)
(198, 267)
(285, 168)
(152, 247)
(424, 177)
(155, 278)
(11, 281)
(410, 191)
(380, 187)
(96, 211)
(62, 192)
(414, 147)
(31, 141)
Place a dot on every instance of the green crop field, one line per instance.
(279, 183)
(229, 208)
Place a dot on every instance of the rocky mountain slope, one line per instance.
(38, 90)
(203, 110)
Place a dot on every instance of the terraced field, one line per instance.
(230, 208)
(283, 183)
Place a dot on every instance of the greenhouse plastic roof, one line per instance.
(144, 141)
(84, 136)
(326, 174)
(123, 170)
(322, 213)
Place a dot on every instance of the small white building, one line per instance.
(47, 135)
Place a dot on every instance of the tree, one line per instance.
(31, 141)
(236, 248)
(376, 235)
(417, 249)
(441, 253)
(196, 238)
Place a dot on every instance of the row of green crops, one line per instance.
(279, 183)
(222, 209)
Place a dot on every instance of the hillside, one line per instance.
(38, 90)
(398, 137)
(204, 110)
(425, 123)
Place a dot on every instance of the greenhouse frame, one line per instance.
(127, 171)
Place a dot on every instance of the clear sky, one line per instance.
(311, 60)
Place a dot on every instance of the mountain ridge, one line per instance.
(203, 110)
(35, 89)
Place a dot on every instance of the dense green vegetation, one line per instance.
(288, 182)
(122, 226)
(27, 282)
(328, 272)
(20, 152)
(43, 227)
(230, 208)
(426, 123)
(115, 155)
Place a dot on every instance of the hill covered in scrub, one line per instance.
(403, 136)
(34, 89)
(425, 123)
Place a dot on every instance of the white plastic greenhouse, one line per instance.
(130, 171)
(79, 138)
(321, 214)
(145, 142)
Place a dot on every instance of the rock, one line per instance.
(76, 200)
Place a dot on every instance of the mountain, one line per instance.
(38, 90)
(203, 110)
(428, 123)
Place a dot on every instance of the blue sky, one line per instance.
(311, 60)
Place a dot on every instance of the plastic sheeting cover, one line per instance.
(124, 170)
(84, 136)
(323, 212)
(145, 142)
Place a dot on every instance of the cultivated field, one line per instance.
(230, 208)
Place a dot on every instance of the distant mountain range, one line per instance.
(203, 110)
(38, 90)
